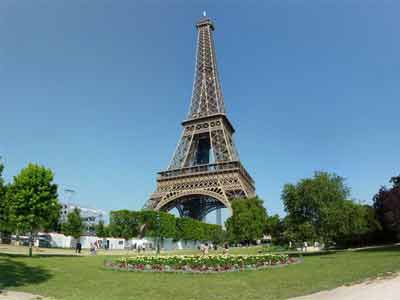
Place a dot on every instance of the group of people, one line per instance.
(305, 246)
(92, 248)
(204, 248)
(139, 247)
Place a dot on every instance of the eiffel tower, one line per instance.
(205, 173)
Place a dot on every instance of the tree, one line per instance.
(186, 229)
(387, 207)
(159, 225)
(347, 223)
(247, 221)
(125, 223)
(32, 200)
(214, 233)
(74, 226)
(101, 229)
(305, 201)
(5, 226)
(318, 209)
(275, 226)
(299, 232)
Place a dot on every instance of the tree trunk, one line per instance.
(30, 243)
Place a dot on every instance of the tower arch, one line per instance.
(205, 166)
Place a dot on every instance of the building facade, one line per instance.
(90, 216)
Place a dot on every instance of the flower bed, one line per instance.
(207, 263)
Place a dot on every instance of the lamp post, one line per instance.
(158, 232)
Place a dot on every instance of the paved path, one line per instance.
(377, 289)
(10, 295)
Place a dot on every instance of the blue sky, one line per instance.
(96, 91)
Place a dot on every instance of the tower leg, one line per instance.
(219, 217)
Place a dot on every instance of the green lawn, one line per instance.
(64, 277)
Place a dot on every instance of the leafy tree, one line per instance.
(347, 223)
(32, 200)
(186, 229)
(125, 223)
(214, 233)
(318, 209)
(74, 226)
(101, 229)
(275, 226)
(305, 201)
(5, 226)
(387, 207)
(159, 224)
(247, 221)
(167, 225)
(299, 232)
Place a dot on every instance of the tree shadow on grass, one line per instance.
(38, 255)
(14, 273)
(316, 253)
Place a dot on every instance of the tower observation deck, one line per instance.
(205, 172)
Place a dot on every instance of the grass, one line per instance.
(83, 277)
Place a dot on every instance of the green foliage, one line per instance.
(187, 229)
(214, 233)
(74, 226)
(387, 206)
(317, 209)
(128, 224)
(304, 201)
(275, 226)
(158, 224)
(347, 223)
(247, 221)
(5, 226)
(101, 229)
(32, 199)
(190, 229)
(2, 184)
(300, 232)
(124, 223)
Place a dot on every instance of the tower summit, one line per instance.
(205, 172)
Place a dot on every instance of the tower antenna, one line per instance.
(205, 172)
(204, 13)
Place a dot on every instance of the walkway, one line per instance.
(382, 288)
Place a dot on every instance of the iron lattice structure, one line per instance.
(205, 172)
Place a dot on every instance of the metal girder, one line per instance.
(205, 172)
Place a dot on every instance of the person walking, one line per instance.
(305, 246)
(226, 249)
(78, 247)
(92, 249)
